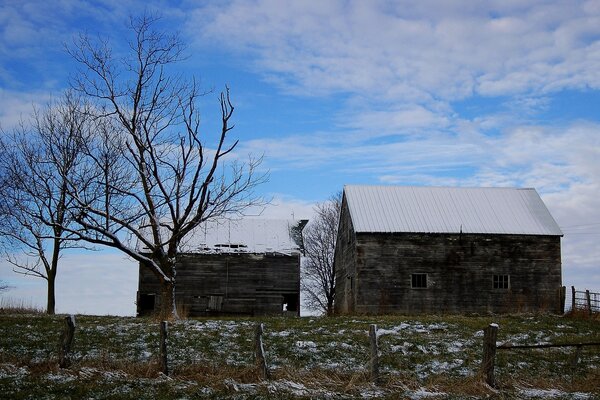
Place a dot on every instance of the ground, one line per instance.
(436, 357)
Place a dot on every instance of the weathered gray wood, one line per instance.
(66, 342)
(490, 334)
(259, 352)
(373, 271)
(576, 357)
(229, 284)
(163, 358)
(589, 302)
(573, 294)
(374, 364)
(563, 299)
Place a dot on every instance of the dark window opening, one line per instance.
(419, 281)
(290, 302)
(501, 281)
(146, 303)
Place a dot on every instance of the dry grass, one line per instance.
(10, 305)
(216, 356)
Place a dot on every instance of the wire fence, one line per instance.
(582, 300)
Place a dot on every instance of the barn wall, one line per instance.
(231, 284)
(459, 270)
(345, 263)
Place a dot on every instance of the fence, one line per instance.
(582, 300)
(490, 347)
(487, 369)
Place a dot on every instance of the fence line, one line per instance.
(487, 368)
(490, 346)
(584, 300)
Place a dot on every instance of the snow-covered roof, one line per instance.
(448, 210)
(246, 236)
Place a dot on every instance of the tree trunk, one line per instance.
(329, 307)
(51, 300)
(167, 304)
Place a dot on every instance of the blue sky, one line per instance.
(461, 93)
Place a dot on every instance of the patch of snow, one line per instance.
(297, 389)
(422, 393)
(12, 371)
(306, 344)
(60, 377)
(372, 393)
(281, 334)
(454, 347)
(552, 394)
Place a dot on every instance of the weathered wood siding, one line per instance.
(345, 263)
(230, 284)
(459, 268)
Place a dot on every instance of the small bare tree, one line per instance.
(3, 287)
(318, 275)
(37, 164)
(154, 176)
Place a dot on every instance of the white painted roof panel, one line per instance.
(243, 236)
(449, 210)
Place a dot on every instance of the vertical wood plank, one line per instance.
(66, 342)
(164, 366)
(573, 298)
(260, 352)
(589, 302)
(375, 377)
(490, 334)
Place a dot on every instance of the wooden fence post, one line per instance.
(66, 341)
(164, 366)
(260, 352)
(576, 357)
(490, 334)
(589, 302)
(374, 354)
(573, 299)
(563, 297)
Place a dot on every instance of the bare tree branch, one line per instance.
(165, 176)
(318, 275)
(38, 164)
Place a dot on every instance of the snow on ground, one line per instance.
(531, 393)
(422, 393)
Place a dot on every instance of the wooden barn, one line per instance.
(234, 267)
(446, 250)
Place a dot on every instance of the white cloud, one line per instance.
(18, 106)
(412, 53)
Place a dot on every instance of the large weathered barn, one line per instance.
(234, 267)
(455, 250)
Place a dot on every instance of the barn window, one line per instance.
(501, 281)
(418, 281)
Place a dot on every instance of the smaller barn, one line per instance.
(234, 267)
(403, 249)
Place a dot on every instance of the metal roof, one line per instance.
(449, 210)
(245, 236)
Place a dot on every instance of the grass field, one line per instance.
(434, 357)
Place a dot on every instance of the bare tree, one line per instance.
(318, 275)
(154, 176)
(3, 287)
(38, 162)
